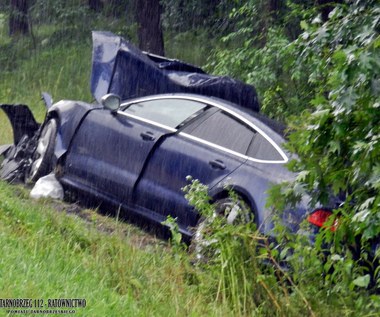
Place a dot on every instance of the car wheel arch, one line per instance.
(223, 193)
(198, 245)
(59, 151)
(42, 161)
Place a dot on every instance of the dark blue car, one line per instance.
(156, 122)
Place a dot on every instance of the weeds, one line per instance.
(247, 273)
(237, 261)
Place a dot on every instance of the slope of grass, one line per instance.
(52, 253)
(47, 254)
(42, 63)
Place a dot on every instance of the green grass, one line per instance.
(28, 68)
(50, 254)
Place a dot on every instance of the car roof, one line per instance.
(256, 121)
(271, 127)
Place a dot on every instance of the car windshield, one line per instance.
(169, 112)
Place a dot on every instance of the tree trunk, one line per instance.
(148, 19)
(95, 5)
(117, 7)
(326, 6)
(18, 19)
(268, 17)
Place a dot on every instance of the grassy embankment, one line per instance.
(62, 71)
(47, 254)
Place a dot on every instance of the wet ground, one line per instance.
(143, 237)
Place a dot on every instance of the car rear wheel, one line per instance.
(235, 211)
(42, 157)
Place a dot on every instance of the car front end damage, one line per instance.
(18, 156)
(19, 163)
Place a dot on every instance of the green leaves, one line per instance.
(325, 85)
(362, 281)
(337, 136)
(176, 239)
(338, 144)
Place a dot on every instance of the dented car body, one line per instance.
(173, 120)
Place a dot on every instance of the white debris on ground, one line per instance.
(47, 186)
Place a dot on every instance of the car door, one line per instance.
(209, 148)
(109, 151)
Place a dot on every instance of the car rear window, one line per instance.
(260, 148)
(224, 130)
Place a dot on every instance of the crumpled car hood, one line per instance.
(120, 68)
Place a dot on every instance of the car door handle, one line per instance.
(147, 136)
(217, 164)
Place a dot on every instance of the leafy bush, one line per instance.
(263, 68)
(244, 273)
(258, 52)
(338, 143)
(328, 79)
(325, 84)
(241, 264)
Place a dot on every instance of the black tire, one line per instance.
(236, 211)
(43, 154)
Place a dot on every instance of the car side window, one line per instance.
(169, 112)
(224, 130)
(260, 148)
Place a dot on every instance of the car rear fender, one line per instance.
(251, 184)
(251, 181)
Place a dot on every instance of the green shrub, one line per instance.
(291, 277)
(242, 265)
(325, 84)
(338, 143)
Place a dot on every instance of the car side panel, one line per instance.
(160, 186)
(252, 180)
(108, 153)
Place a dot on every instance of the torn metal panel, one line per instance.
(120, 68)
(18, 159)
(18, 156)
(4, 148)
(48, 99)
(22, 120)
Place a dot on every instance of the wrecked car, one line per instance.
(156, 121)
